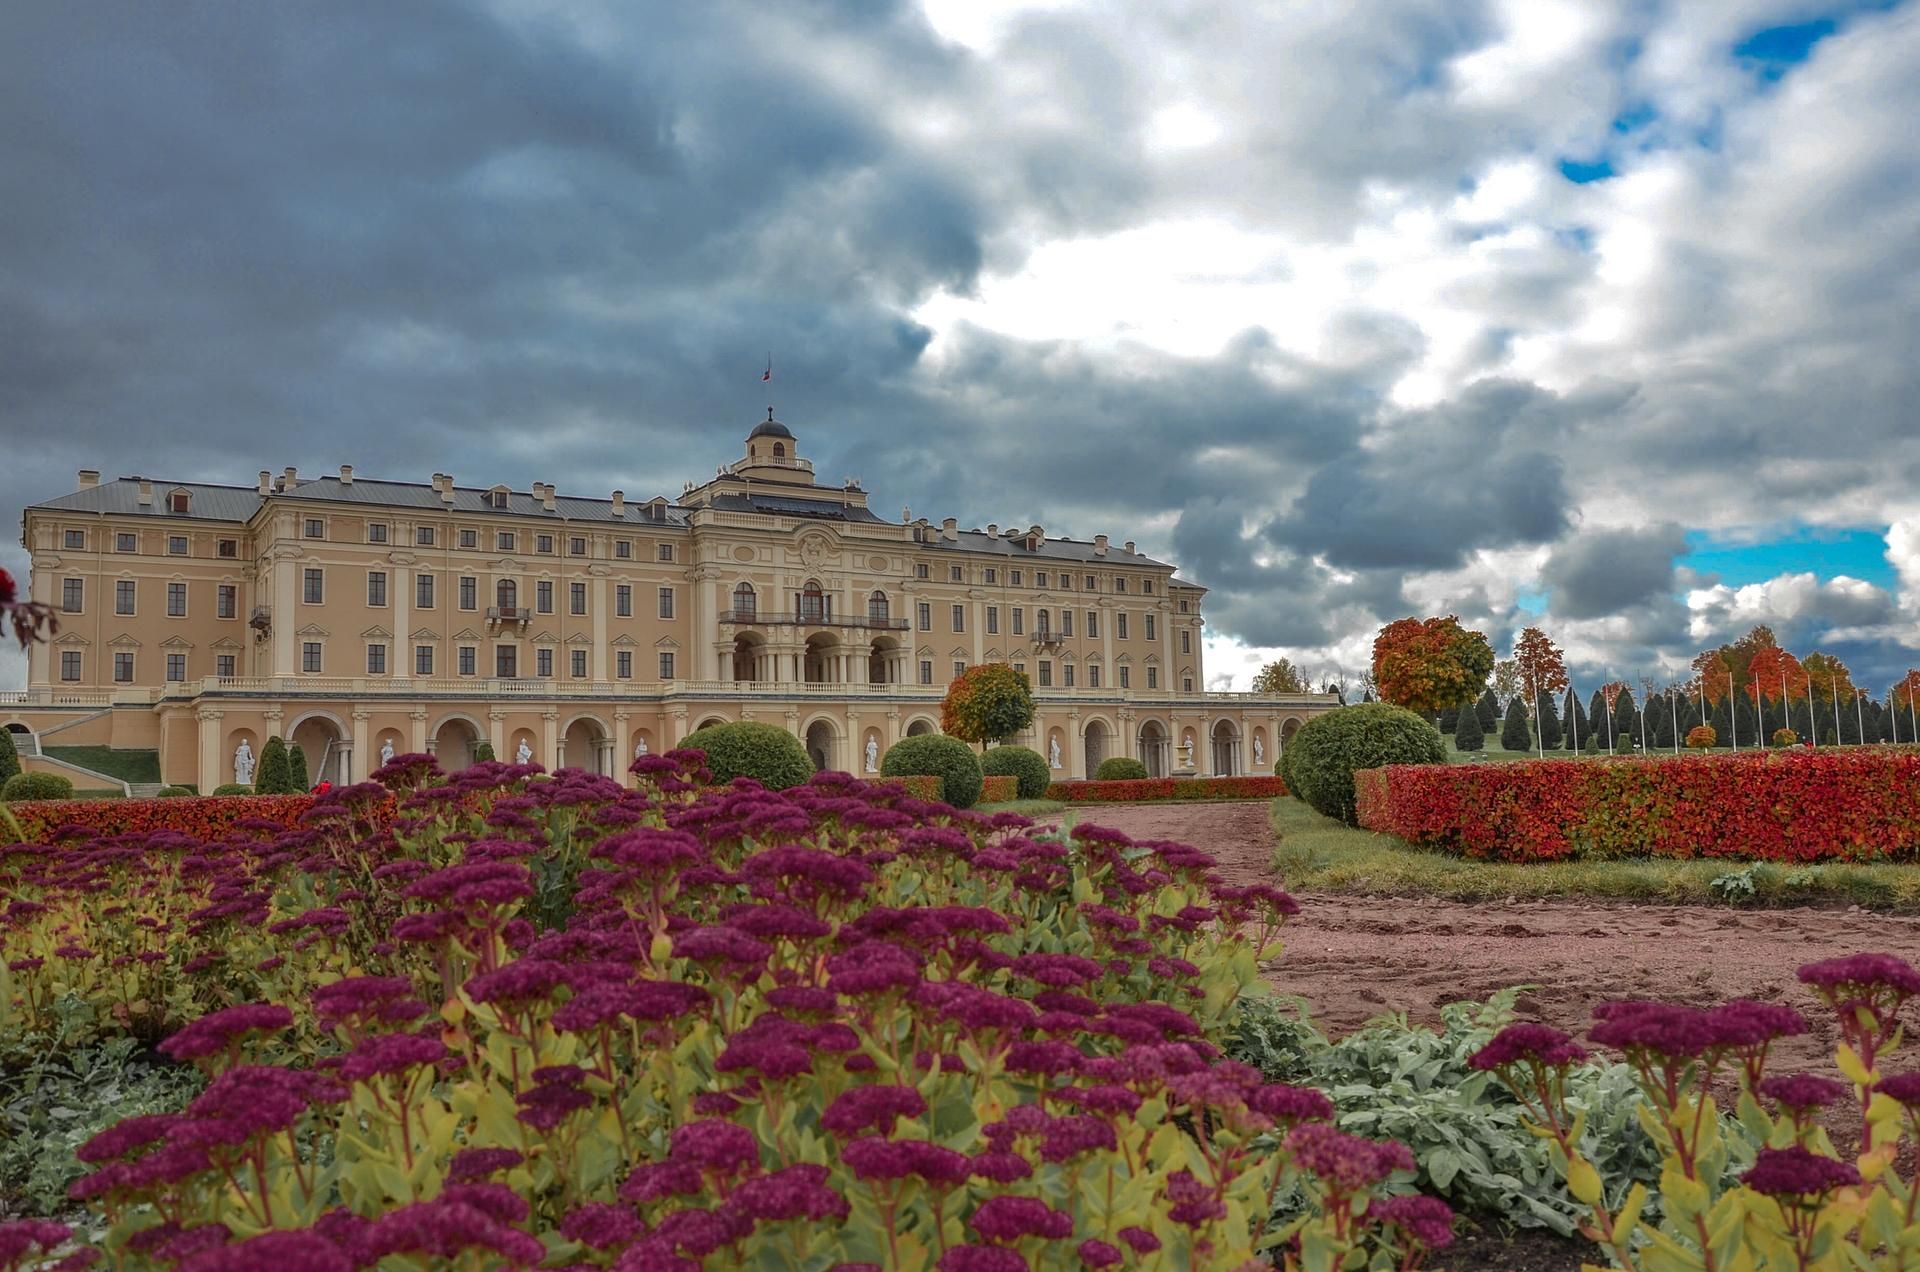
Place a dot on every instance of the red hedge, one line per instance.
(998, 790)
(1851, 804)
(205, 817)
(1155, 789)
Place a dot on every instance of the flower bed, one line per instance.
(1851, 804)
(209, 817)
(1155, 789)
(510, 1020)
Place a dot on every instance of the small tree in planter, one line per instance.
(987, 703)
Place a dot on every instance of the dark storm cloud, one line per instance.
(1596, 573)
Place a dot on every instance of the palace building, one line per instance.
(353, 615)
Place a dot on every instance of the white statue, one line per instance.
(1259, 752)
(1187, 746)
(524, 755)
(873, 755)
(386, 750)
(243, 764)
(639, 746)
(1053, 753)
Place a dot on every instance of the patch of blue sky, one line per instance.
(1857, 552)
(1534, 603)
(1581, 171)
(1774, 51)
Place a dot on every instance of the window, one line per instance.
(666, 554)
(922, 570)
(664, 602)
(1066, 675)
(1125, 681)
(124, 595)
(72, 593)
(926, 669)
(959, 667)
(1039, 578)
(877, 608)
(577, 598)
(376, 660)
(74, 539)
(176, 600)
(228, 548)
(993, 575)
(623, 549)
(1066, 622)
(69, 664)
(746, 603)
(666, 664)
(496, 499)
(543, 544)
(1150, 635)
(543, 664)
(469, 591)
(377, 588)
(1146, 587)
(1186, 641)
(423, 536)
(623, 600)
(1090, 583)
(1019, 621)
(467, 658)
(1153, 677)
(506, 662)
(423, 591)
(1046, 673)
(577, 546)
(924, 612)
(956, 574)
(1093, 624)
(1186, 685)
(176, 545)
(993, 620)
(469, 538)
(125, 542)
(310, 656)
(123, 667)
(503, 540)
(1093, 675)
(1066, 581)
(623, 664)
(959, 618)
(543, 596)
(178, 502)
(423, 660)
(376, 532)
(1120, 625)
(579, 660)
(1119, 582)
(1020, 667)
(1015, 575)
(506, 595)
(314, 584)
(223, 666)
(316, 528)
(1183, 605)
(1042, 624)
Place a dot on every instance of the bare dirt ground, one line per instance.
(1355, 957)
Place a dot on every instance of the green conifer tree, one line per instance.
(1516, 734)
(273, 775)
(1660, 723)
(1596, 735)
(1626, 722)
(297, 769)
(1449, 718)
(1549, 724)
(1467, 734)
(1573, 718)
(9, 757)
(1489, 710)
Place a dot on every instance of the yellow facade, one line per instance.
(350, 615)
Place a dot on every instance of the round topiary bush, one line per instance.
(483, 751)
(175, 792)
(36, 786)
(1120, 768)
(768, 754)
(1330, 749)
(232, 788)
(935, 755)
(1702, 736)
(1028, 767)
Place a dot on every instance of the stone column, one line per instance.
(212, 763)
(622, 745)
(40, 663)
(893, 726)
(679, 725)
(550, 740)
(351, 760)
(400, 661)
(1076, 746)
(286, 569)
(597, 600)
(497, 732)
(705, 621)
(417, 730)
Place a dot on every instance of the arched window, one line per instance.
(745, 603)
(813, 602)
(506, 594)
(877, 608)
(779, 450)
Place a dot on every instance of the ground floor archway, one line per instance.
(821, 745)
(584, 746)
(455, 744)
(1154, 749)
(919, 728)
(324, 744)
(1098, 745)
(1226, 749)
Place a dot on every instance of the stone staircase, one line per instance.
(144, 790)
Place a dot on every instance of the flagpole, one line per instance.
(1859, 715)
(1673, 719)
(1573, 698)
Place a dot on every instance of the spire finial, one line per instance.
(769, 415)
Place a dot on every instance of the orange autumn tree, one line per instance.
(1772, 672)
(1541, 664)
(1713, 677)
(1430, 664)
(1907, 690)
(1829, 677)
(987, 703)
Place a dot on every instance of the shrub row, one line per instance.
(204, 817)
(999, 788)
(1156, 789)
(1857, 804)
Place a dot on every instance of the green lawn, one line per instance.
(128, 766)
(1026, 807)
(1318, 853)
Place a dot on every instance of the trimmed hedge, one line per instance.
(1023, 763)
(202, 816)
(1329, 749)
(1120, 768)
(919, 785)
(232, 788)
(936, 755)
(999, 788)
(1157, 789)
(9, 757)
(1791, 805)
(22, 786)
(746, 748)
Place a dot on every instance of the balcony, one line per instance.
(1048, 641)
(261, 621)
(509, 615)
(810, 618)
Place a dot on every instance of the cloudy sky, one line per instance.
(1599, 314)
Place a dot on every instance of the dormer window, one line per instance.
(497, 498)
(179, 502)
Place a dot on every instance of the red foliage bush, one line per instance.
(1857, 804)
(1155, 789)
(998, 790)
(920, 785)
(204, 817)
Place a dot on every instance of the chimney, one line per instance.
(993, 531)
(1099, 545)
(146, 493)
(445, 481)
(949, 529)
(288, 477)
(346, 474)
(619, 503)
(546, 496)
(89, 478)
(1129, 547)
(265, 485)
